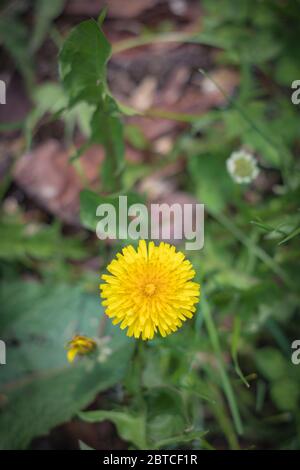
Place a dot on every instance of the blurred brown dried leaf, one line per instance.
(46, 176)
(115, 8)
(142, 96)
(220, 81)
(180, 198)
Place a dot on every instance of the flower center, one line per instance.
(150, 289)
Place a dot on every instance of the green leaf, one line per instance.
(131, 428)
(293, 234)
(182, 439)
(102, 16)
(270, 363)
(166, 414)
(136, 137)
(50, 98)
(287, 68)
(89, 201)
(14, 37)
(107, 130)
(82, 62)
(214, 186)
(39, 389)
(226, 384)
(285, 394)
(17, 243)
(84, 446)
(234, 348)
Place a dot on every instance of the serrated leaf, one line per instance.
(285, 394)
(131, 428)
(39, 388)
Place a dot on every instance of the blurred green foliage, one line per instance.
(226, 378)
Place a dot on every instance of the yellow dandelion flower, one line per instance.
(79, 345)
(149, 289)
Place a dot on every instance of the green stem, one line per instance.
(154, 39)
(165, 114)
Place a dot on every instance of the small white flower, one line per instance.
(242, 167)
